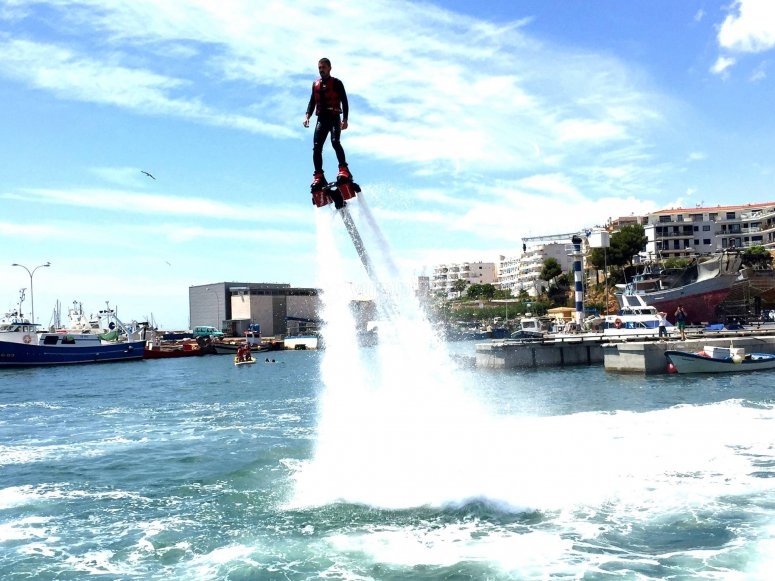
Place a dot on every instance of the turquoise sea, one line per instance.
(379, 464)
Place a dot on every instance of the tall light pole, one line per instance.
(32, 293)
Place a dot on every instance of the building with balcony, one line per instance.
(686, 232)
(445, 276)
(523, 272)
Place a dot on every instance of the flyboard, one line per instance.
(338, 192)
(245, 362)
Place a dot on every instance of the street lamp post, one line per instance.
(32, 293)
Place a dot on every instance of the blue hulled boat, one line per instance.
(23, 345)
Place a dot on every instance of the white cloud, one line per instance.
(750, 27)
(76, 77)
(132, 203)
(759, 73)
(428, 86)
(722, 64)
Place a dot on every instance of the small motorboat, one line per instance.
(719, 360)
(244, 361)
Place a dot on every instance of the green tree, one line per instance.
(625, 244)
(459, 285)
(480, 291)
(757, 257)
(550, 270)
(677, 262)
(598, 257)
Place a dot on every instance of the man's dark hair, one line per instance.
(325, 60)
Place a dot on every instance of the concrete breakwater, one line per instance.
(616, 356)
(510, 354)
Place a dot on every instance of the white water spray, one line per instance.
(395, 427)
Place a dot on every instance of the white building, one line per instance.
(691, 231)
(446, 275)
(523, 272)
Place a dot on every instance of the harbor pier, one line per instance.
(647, 357)
(509, 354)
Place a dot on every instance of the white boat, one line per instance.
(302, 342)
(636, 319)
(531, 327)
(719, 360)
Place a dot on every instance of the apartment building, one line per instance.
(446, 275)
(685, 232)
(523, 272)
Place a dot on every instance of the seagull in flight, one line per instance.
(146, 173)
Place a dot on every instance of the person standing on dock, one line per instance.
(680, 321)
(662, 325)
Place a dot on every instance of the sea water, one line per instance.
(391, 462)
(197, 469)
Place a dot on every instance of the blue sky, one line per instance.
(471, 126)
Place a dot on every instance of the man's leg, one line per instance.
(321, 132)
(336, 132)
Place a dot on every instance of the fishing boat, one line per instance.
(22, 344)
(532, 328)
(635, 318)
(719, 360)
(700, 287)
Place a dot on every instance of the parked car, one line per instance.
(206, 331)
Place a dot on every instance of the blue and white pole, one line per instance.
(577, 278)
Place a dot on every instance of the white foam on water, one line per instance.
(41, 451)
(397, 430)
(531, 553)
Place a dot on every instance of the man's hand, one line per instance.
(306, 121)
(344, 124)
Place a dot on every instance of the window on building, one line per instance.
(665, 219)
(730, 215)
(706, 228)
(696, 217)
(696, 242)
(706, 241)
(713, 217)
(679, 218)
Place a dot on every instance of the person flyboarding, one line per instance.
(329, 102)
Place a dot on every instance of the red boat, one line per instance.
(699, 287)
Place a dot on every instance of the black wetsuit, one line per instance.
(329, 100)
